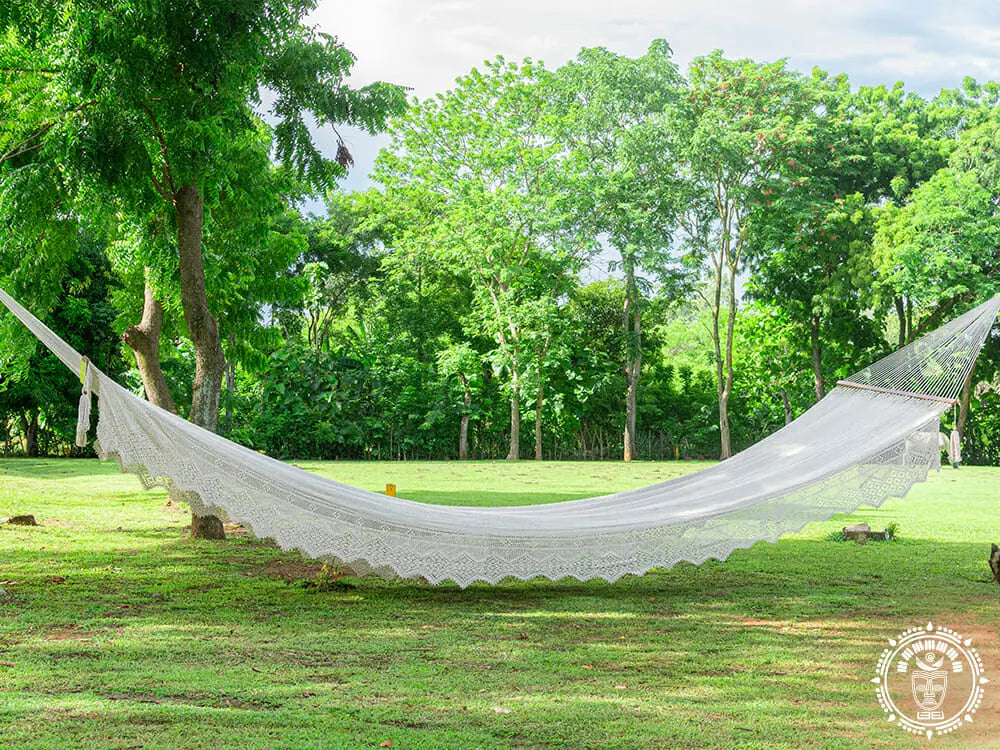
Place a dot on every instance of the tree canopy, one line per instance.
(657, 263)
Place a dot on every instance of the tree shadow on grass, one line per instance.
(56, 468)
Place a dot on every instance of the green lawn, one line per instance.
(118, 631)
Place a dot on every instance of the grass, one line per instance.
(116, 631)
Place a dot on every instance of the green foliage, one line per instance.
(42, 398)
(115, 109)
(480, 183)
(943, 244)
(310, 404)
(767, 232)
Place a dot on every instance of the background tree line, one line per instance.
(756, 234)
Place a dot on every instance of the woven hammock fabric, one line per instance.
(870, 439)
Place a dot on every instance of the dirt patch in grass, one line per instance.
(984, 729)
(69, 633)
(292, 570)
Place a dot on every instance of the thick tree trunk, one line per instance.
(210, 362)
(632, 318)
(463, 438)
(515, 421)
(463, 430)
(207, 527)
(539, 400)
(144, 340)
(817, 357)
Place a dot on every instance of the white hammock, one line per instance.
(871, 438)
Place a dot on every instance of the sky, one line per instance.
(426, 44)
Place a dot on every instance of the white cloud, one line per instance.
(426, 44)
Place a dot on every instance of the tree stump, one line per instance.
(26, 520)
(859, 533)
(995, 563)
(206, 527)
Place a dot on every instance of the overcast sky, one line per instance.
(426, 44)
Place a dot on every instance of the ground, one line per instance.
(118, 631)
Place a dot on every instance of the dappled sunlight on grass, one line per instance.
(117, 630)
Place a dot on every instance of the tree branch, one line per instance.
(41, 71)
(168, 179)
(21, 148)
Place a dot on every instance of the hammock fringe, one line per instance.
(872, 437)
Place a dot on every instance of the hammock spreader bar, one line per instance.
(896, 392)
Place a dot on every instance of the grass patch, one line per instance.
(117, 631)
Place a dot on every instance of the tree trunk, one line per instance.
(964, 401)
(632, 318)
(724, 446)
(231, 390)
(588, 453)
(144, 340)
(724, 436)
(207, 527)
(726, 383)
(538, 421)
(210, 362)
(901, 314)
(631, 391)
(463, 430)
(515, 420)
(817, 353)
(29, 426)
(788, 406)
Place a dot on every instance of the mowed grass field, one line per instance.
(117, 631)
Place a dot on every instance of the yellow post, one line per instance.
(390, 490)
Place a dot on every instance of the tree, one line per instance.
(43, 400)
(939, 250)
(480, 183)
(770, 358)
(155, 102)
(743, 120)
(463, 363)
(619, 117)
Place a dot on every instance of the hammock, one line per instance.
(870, 439)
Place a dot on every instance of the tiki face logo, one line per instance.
(930, 680)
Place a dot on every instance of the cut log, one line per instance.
(859, 533)
(26, 520)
